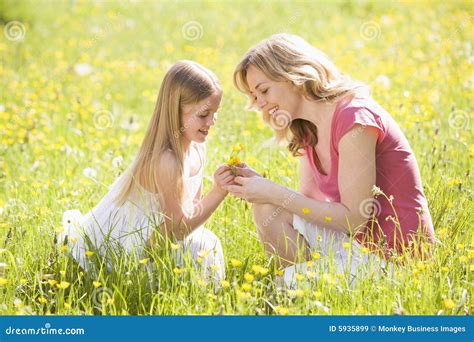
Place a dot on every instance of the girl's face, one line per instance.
(271, 96)
(199, 117)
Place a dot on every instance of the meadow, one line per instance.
(79, 81)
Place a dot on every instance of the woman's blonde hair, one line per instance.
(285, 57)
(185, 83)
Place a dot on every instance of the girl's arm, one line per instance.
(182, 218)
(356, 178)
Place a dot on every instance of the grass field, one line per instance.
(79, 82)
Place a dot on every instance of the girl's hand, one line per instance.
(223, 177)
(255, 189)
(244, 170)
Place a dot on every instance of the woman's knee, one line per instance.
(267, 215)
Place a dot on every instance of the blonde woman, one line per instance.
(160, 193)
(350, 149)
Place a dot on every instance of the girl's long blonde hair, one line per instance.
(286, 57)
(185, 83)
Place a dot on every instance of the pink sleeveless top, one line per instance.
(397, 175)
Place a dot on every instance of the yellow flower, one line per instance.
(3, 281)
(234, 160)
(52, 282)
(42, 300)
(359, 309)
(317, 294)
(310, 264)
(365, 250)
(463, 259)
(299, 277)
(328, 218)
(63, 285)
(64, 248)
(144, 261)
(67, 305)
(470, 254)
(445, 269)
(346, 245)
(281, 310)
(23, 280)
(248, 277)
(257, 269)
(225, 283)
(316, 255)
(204, 253)
(174, 246)
(235, 262)
(296, 293)
(246, 287)
(306, 211)
(448, 304)
(89, 253)
(178, 270)
(96, 284)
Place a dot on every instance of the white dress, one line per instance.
(128, 227)
(338, 252)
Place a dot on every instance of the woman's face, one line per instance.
(271, 97)
(198, 118)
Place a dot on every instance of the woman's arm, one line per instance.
(356, 178)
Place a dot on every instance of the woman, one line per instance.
(351, 149)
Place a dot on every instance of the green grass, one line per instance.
(48, 137)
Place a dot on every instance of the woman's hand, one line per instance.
(244, 170)
(223, 177)
(255, 189)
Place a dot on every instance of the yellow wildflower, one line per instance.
(246, 287)
(225, 283)
(248, 277)
(306, 211)
(235, 262)
(281, 310)
(144, 261)
(316, 255)
(63, 285)
(89, 253)
(178, 271)
(3, 281)
(448, 304)
(96, 284)
(328, 218)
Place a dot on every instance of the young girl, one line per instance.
(351, 150)
(160, 193)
